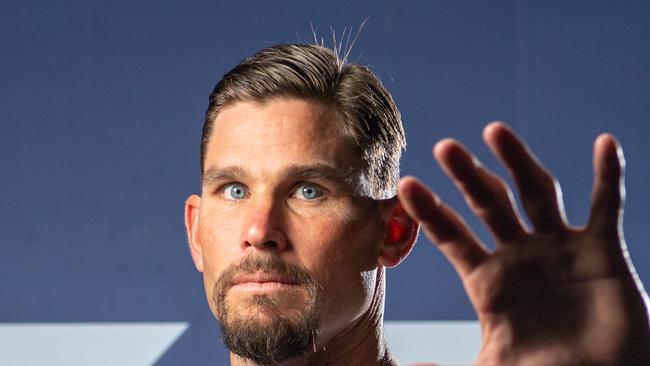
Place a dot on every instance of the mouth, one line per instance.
(262, 282)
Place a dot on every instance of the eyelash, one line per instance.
(223, 190)
(321, 191)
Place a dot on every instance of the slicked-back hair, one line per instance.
(316, 73)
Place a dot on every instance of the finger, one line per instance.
(486, 194)
(608, 192)
(442, 226)
(540, 192)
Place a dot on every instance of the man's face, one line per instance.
(279, 231)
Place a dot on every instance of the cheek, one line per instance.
(218, 236)
(330, 240)
(338, 231)
(342, 252)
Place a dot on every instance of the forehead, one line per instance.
(273, 134)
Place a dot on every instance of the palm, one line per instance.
(548, 302)
(553, 295)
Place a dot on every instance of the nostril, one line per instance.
(271, 244)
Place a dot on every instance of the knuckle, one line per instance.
(546, 181)
(537, 205)
(542, 192)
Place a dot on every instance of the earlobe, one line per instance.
(192, 209)
(401, 232)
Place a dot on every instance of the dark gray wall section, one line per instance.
(101, 105)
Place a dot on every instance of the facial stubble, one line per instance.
(269, 332)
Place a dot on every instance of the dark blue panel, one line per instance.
(101, 106)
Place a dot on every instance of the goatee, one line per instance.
(280, 336)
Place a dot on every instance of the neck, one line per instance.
(361, 343)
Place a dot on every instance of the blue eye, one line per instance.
(308, 192)
(235, 191)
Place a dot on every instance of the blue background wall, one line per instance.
(101, 105)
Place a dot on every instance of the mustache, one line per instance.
(273, 265)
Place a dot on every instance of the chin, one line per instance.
(265, 309)
(259, 330)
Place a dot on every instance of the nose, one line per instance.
(263, 230)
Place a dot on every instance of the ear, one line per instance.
(400, 235)
(192, 209)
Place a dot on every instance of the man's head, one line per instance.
(309, 72)
(289, 233)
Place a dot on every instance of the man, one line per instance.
(302, 210)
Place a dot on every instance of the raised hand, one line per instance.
(548, 295)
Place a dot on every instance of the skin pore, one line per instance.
(279, 185)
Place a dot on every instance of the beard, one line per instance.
(283, 333)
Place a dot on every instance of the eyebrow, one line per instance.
(321, 171)
(214, 175)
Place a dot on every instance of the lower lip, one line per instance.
(263, 286)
